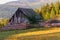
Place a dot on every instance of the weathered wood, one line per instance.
(18, 18)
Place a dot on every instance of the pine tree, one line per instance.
(47, 16)
(37, 10)
(41, 16)
(52, 15)
(57, 8)
(49, 11)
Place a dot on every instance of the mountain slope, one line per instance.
(10, 8)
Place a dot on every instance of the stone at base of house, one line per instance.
(15, 27)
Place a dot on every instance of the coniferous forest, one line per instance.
(49, 11)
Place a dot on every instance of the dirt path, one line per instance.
(55, 30)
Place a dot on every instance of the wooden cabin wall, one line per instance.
(18, 18)
(15, 19)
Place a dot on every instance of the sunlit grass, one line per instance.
(53, 36)
(6, 34)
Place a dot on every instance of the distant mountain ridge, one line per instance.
(10, 7)
(16, 3)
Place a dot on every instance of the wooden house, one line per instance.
(19, 18)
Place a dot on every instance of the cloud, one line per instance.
(5, 1)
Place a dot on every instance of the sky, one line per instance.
(30, 2)
(34, 2)
(5, 1)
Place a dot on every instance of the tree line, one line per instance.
(49, 11)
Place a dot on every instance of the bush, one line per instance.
(3, 22)
(1, 25)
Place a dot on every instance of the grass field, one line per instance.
(7, 35)
(53, 36)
